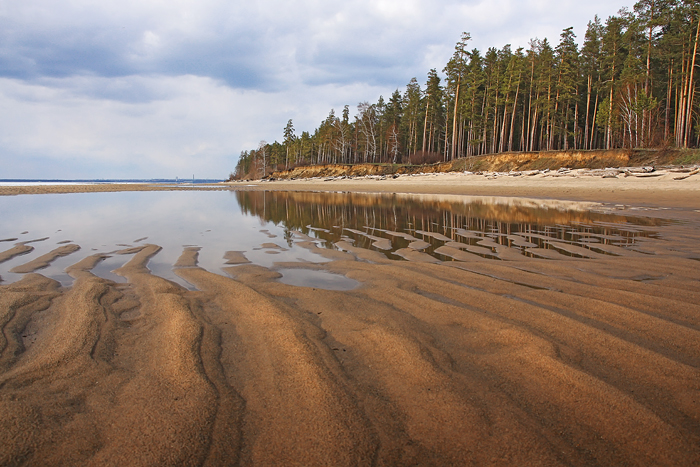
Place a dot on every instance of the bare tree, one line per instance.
(342, 141)
(394, 143)
(262, 154)
(367, 121)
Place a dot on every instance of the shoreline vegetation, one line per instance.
(673, 159)
(631, 84)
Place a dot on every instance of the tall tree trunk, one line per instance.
(533, 128)
(556, 112)
(647, 93)
(668, 100)
(454, 121)
(502, 136)
(528, 144)
(502, 141)
(447, 133)
(512, 117)
(594, 129)
(549, 114)
(425, 125)
(484, 120)
(565, 130)
(608, 138)
(588, 111)
(430, 137)
(691, 89)
(680, 108)
(576, 135)
(494, 138)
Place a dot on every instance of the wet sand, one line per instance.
(521, 361)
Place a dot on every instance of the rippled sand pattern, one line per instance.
(473, 347)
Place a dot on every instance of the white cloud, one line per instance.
(199, 127)
(135, 88)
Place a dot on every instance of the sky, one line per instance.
(178, 88)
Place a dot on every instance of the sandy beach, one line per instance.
(659, 188)
(585, 360)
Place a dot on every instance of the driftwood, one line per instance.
(690, 174)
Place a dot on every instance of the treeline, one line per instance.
(632, 84)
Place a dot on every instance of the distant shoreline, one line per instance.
(85, 187)
(95, 181)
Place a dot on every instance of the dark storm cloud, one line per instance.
(107, 51)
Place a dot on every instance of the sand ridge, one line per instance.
(17, 250)
(44, 260)
(469, 363)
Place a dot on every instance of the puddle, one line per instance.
(317, 279)
(105, 267)
(166, 271)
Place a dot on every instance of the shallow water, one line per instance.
(275, 227)
(320, 279)
(107, 222)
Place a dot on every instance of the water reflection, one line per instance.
(105, 223)
(269, 228)
(452, 228)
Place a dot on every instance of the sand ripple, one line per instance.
(473, 362)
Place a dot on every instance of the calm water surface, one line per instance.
(269, 227)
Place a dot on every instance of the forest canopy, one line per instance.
(632, 83)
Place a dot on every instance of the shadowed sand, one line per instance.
(480, 362)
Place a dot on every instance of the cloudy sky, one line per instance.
(166, 88)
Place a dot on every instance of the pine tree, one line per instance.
(434, 111)
(567, 88)
(289, 138)
(613, 58)
(456, 69)
(412, 111)
(591, 63)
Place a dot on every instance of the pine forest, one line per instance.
(631, 84)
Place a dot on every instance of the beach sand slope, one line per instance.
(527, 361)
